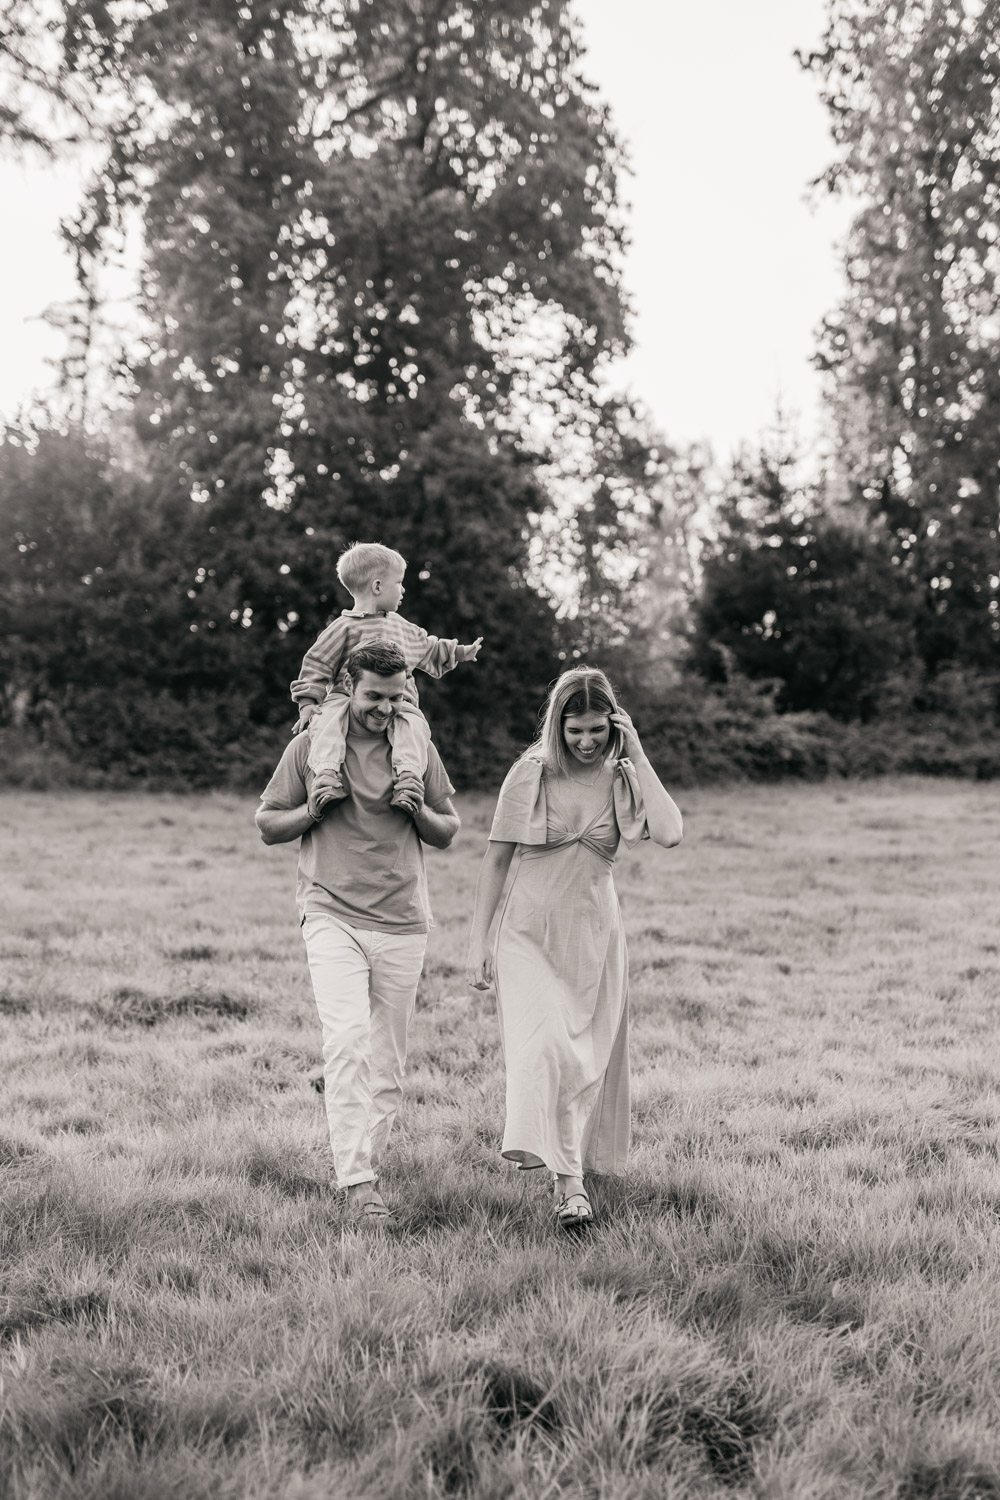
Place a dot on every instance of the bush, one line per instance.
(695, 733)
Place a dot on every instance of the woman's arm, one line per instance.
(492, 874)
(663, 817)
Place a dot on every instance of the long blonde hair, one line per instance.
(579, 690)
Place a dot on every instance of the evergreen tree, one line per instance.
(914, 352)
(801, 595)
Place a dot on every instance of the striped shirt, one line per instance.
(323, 664)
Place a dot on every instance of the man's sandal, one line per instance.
(573, 1209)
(373, 1208)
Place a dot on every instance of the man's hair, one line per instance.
(363, 562)
(380, 656)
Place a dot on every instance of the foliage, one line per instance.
(353, 219)
(914, 352)
(801, 593)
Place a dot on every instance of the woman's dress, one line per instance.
(561, 968)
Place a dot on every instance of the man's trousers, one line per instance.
(365, 984)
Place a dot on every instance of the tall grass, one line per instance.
(794, 1292)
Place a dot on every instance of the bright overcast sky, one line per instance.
(730, 269)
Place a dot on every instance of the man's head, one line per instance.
(376, 672)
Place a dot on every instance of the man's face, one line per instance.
(374, 699)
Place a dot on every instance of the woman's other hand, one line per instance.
(479, 969)
(628, 732)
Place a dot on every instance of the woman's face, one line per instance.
(586, 736)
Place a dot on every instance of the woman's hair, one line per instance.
(581, 690)
(363, 562)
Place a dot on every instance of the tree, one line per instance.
(801, 595)
(381, 279)
(914, 352)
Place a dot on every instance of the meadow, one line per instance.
(793, 1293)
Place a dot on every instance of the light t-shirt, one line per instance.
(364, 862)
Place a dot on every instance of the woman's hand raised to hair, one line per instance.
(628, 732)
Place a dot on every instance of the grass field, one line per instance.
(795, 1291)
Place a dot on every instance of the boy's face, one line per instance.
(390, 589)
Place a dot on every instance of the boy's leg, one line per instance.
(340, 968)
(409, 735)
(328, 741)
(396, 962)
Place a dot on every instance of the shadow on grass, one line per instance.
(128, 1006)
(23, 1316)
(952, 1479)
(723, 1425)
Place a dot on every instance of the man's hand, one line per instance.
(471, 652)
(408, 793)
(321, 794)
(305, 714)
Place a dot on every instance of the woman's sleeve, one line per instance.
(630, 810)
(520, 815)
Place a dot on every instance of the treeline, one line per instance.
(379, 291)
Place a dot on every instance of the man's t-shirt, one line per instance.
(364, 862)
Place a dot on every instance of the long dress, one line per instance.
(561, 968)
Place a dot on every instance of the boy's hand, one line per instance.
(305, 714)
(471, 652)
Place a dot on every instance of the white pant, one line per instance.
(365, 985)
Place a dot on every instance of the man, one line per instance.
(363, 908)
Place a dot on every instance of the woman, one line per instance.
(559, 959)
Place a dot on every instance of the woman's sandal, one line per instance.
(569, 1214)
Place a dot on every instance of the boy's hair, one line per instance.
(363, 562)
(580, 690)
(380, 656)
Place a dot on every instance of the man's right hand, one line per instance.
(320, 797)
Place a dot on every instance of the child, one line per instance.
(373, 576)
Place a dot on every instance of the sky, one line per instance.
(732, 263)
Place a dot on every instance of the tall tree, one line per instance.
(381, 279)
(913, 90)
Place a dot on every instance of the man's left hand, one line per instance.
(408, 794)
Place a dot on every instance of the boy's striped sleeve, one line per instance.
(322, 663)
(439, 656)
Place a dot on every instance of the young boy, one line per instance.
(373, 576)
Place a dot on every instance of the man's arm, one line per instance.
(437, 826)
(289, 808)
(280, 825)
